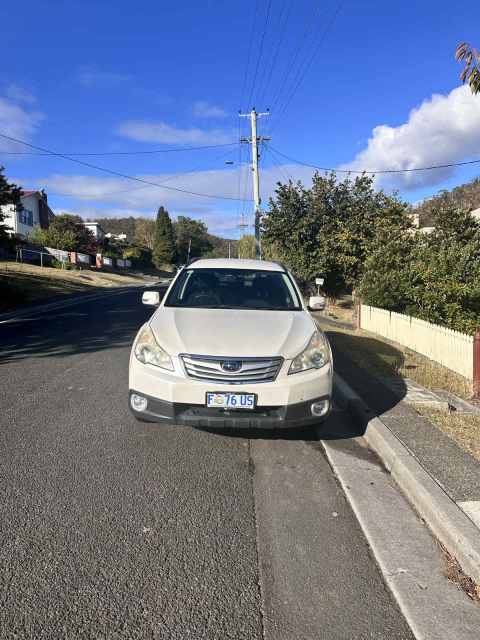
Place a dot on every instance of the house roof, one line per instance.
(30, 192)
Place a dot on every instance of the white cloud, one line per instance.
(129, 194)
(19, 94)
(93, 195)
(444, 129)
(94, 77)
(17, 122)
(144, 131)
(202, 109)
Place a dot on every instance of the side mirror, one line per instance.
(316, 303)
(152, 298)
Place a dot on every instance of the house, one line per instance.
(414, 219)
(96, 229)
(35, 212)
(118, 237)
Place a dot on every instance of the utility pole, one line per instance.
(189, 247)
(229, 250)
(254, 140)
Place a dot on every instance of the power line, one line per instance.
(260, 52)
(87, 196)
(378, 171)
(302, 75)
(302, 42)
(116, 173)
(281, 169)
(285, 14)
(247, 67)
(120, 153)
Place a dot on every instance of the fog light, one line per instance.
(319, 409)
(138, 403)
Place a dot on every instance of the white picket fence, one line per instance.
(450, 348)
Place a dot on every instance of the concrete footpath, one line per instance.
(440, 480)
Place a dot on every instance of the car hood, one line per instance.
(232, 332)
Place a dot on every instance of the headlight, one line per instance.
(148, 351)
(316, 355)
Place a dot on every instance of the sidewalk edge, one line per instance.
(443, 516)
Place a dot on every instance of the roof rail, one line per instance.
(280, 264)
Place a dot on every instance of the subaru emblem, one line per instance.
(232, 366)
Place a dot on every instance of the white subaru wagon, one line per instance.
(232, 344)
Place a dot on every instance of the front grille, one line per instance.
(213, 369)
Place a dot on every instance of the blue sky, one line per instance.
(86, 77)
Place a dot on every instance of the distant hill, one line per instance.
(118, 225)
(127, 225)
(466, 196)
(220, 247)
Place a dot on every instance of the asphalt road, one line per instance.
(111, 528)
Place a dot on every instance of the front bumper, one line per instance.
(177, 388)
(262, 417)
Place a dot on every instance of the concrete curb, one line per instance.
(60, 304)
(443, 516)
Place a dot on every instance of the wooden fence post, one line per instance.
(358, 303)
(476, 364)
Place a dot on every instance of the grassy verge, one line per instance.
(341, 310)
(23, 283)
(463, 428)
(381, 358)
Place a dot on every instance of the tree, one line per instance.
(328, 230)
(390, 273)
(435, 277)
(145, 232)
(9, 195)
(191, 232)
(139, 256)
(163, 246)
(65, 232)
(221, 247)
(471, 72)
(246, 247)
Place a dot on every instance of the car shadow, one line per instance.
(338, 426)
(91, 325)
(370, 366)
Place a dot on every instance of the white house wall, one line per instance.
(12, 217)
(8, 211)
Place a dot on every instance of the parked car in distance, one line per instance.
(231, 344)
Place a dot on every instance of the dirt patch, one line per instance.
(464, 429)
(454, 573)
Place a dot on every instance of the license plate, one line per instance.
(231, 400)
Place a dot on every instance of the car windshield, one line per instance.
(234, 289)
